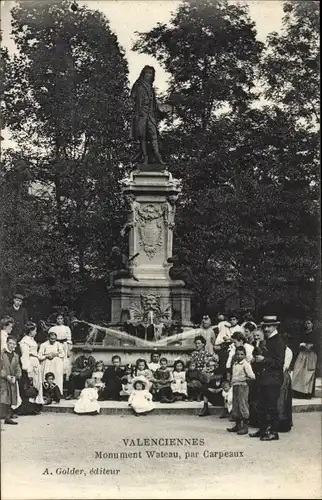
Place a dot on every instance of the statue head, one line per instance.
(115, 252)
(147, 74)
(172, 199)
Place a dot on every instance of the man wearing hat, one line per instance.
(82, 369)
(269, 379)
(19, 314)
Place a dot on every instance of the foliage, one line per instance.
(243, 137)
(292, 62)
(67, 105)
(248, 214)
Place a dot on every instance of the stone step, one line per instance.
(189, 408)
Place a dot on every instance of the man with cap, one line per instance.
(82, 369)
(269, 379)
(19, 314)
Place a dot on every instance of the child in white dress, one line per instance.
(140, 398)
(87, 403)
(179, 384)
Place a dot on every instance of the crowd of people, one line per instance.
(241, 366)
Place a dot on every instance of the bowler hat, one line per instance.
(87, 348)
(270, 321)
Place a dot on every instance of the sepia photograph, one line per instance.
(160, 258)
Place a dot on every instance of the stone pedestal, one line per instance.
(151, 198)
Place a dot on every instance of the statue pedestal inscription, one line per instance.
(151, 197)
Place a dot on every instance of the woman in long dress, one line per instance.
(64, 336)
(51, 355)
(304, 371)
(30, 362)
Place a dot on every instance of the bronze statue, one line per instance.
(181, 270)
(120, 267)
(145, 111)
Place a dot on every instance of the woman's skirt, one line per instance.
(284, 404)
(304, 372)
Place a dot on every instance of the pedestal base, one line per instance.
(171, 295)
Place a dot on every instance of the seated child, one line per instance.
(142, 370)
(112, 379)
(27, 407)
(155, 362)
(227, 394)
(161, 388)
(179, 384)
(195, 380)
(241, 373)
(51, 392)
(140, 399)
(212, 389)
(127, 381)
(87, 403)
(98, 375)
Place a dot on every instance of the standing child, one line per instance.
(51, 390)
(10, 372)
(227, 394)
(241, 373)
(98, 376)
(162, 383)
(141, 399)
(179, 384)
(87, 402)
(142, 370)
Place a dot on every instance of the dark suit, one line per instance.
(20, 317)
(113, 383)
(270, 379)
(82, 369)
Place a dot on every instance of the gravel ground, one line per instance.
(35, 451)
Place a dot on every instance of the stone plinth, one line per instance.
(151, 199)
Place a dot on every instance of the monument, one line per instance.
(142, 288)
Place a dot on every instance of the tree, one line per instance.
(292, 62)
(68, 106)
(249, 203)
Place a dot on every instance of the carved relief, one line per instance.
(150, 310)
(149, 221)
(169, 211)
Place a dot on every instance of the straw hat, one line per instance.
(143, 381)
(270, 321)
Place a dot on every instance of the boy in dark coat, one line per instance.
(82, 369)
(10, 373)
(112, 379)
